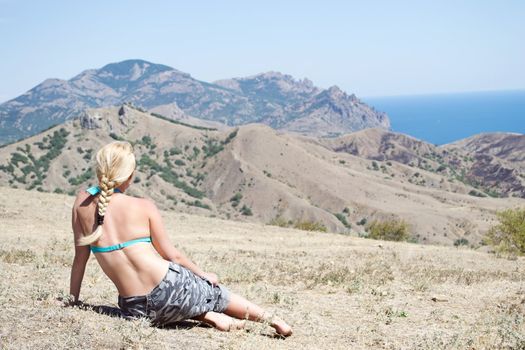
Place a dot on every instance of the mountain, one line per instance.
(494, 164)
(254, 173)
(271, 98)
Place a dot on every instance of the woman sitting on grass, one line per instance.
(126, 236)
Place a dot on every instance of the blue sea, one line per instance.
(445, 118)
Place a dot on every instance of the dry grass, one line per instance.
(337, 291)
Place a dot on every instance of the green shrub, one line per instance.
(342, 218)
(174, 151)
(179, 162)
(146, 140)
(279, 221)
(160, 116)
(508, 236)
(389, 230)
(460, 241)
(116, 137)
(477, 193)
(88, 174)
(168, 175)
(245, 210)
(198, 203)
(362, 222)
(310, 226)
(236, 199)
(211, 148)
(17, 157)
(172, 198)
(230, 137)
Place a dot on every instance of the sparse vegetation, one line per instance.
(279, 221)
(116, 137)
(212, 147)
(174, 151)
(476, 193)
(302, 277)
(508, 236)
(245, 210)
(230, 137)
(389, 230)
(80, 179)
(160, 116)
(236, 199)
(35, 169)
(460, 241)
(310, 226)
(168, 175)
(341, 217)
(362, 222)
(199, 204)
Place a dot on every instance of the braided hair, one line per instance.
(106, 190)
(115, 165)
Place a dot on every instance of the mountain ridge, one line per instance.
(255, 173)
(271, 98)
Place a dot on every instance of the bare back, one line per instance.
(136, 269)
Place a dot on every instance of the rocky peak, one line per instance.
(273, 85)
(132, 68)
(273, 98)
(126, 73)
(89, 120)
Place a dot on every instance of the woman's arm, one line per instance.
(80, 260)
(166, 249)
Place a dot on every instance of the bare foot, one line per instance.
(226, 323)
(222, 322)
(281, 327)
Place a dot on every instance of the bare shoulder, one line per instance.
(145, 204)
(81, 198)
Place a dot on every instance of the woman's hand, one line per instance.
(210, 276)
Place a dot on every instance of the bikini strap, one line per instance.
(94, 190)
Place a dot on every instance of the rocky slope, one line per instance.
(494, 164)
(271, 98)
(254, 173)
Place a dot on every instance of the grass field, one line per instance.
(338, 292)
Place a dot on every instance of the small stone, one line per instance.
(438, 299)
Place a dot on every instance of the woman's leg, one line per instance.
(241, 308)
(220, 321)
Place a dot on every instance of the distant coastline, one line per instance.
(445, 118)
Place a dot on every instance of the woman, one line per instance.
(126, 233)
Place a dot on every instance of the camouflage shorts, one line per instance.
(180, 295)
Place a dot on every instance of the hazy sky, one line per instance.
(366, 47)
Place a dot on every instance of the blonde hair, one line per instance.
(115, 165)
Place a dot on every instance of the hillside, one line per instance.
(253, 173)
(273, 99)
(338, 292)
(494, 164)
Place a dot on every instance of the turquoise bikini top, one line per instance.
(94, 191)
(120, 245)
